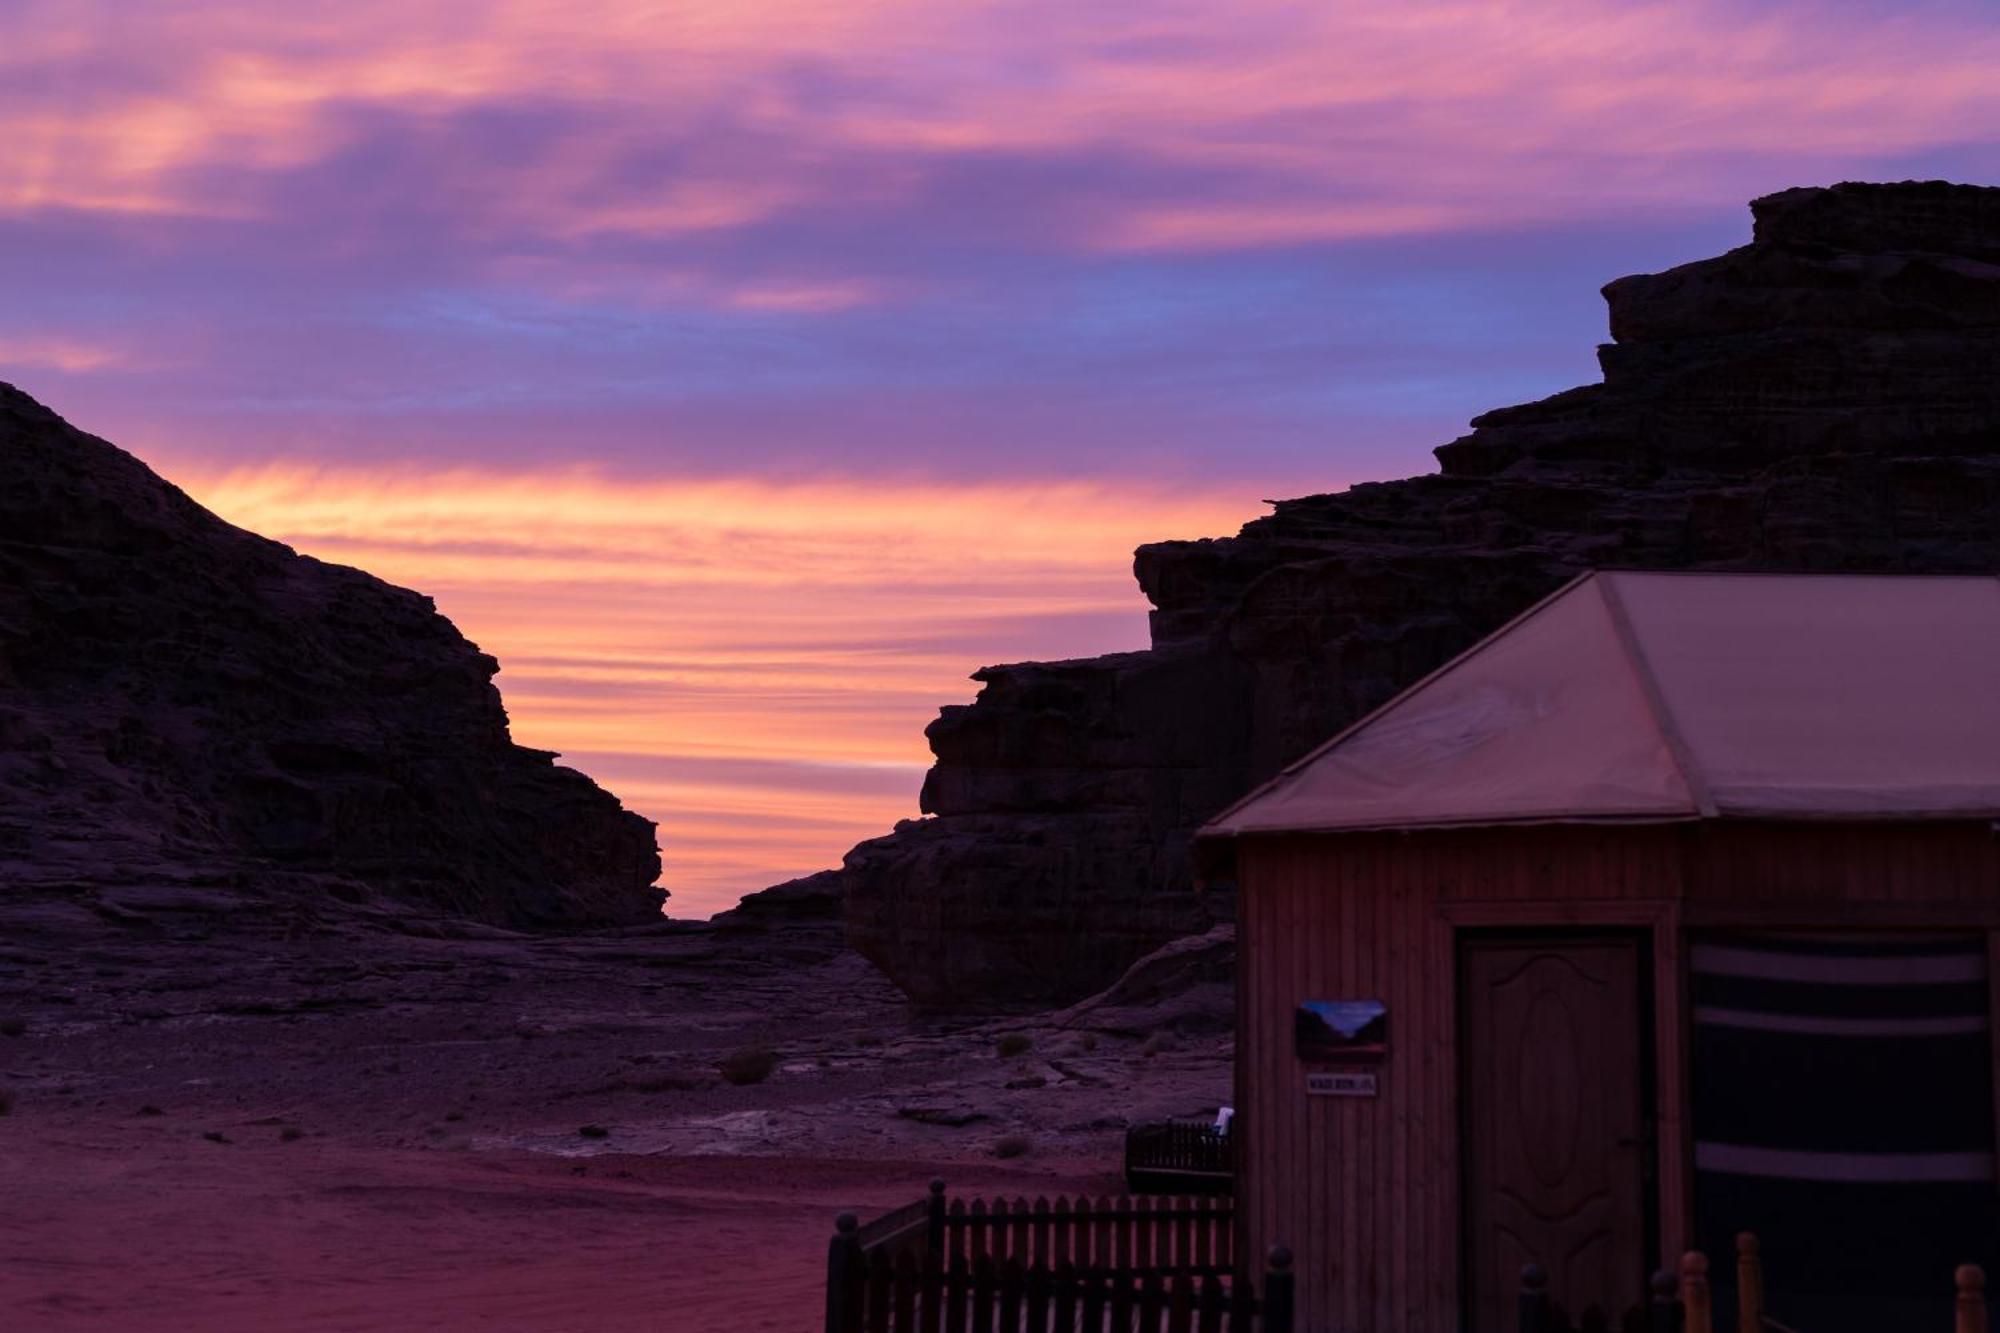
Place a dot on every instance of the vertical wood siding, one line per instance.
(1367, 1191)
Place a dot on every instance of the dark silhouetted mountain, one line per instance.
(183, 702)
(1826, 397)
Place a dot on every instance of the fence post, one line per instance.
(934, 1233)
(1971, 1299)
(1695, 1295)
(1667, 1310)
(843, 1277)
(1278, 1291)
(1533, 1304)
(1749, 1282)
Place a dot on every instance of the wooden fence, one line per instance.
(1083, 1265)
(1196, 1236)
(1179, 1157)
(1688, 1305)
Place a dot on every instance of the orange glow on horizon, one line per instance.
(751, 663)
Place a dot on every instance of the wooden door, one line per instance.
(1555, 1127)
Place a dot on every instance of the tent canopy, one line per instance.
(1631, 697)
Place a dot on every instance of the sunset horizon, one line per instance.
(778, 666)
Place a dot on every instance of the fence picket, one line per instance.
(1093, 1300)
(1121, 1298)
(905, 1293)
(1152, 1303)
(1066, 1297)
(1242, 1308)
(959, 1294)
(1011, 1282)
(955, 1230)
(1039, 1298)
(933, 1294)
(976, 1237)
(879, 1292)
(1208, 1305)
(1180, 1305)
(982, 1294)
(1041, 1231)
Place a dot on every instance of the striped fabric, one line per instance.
(1843, 1110)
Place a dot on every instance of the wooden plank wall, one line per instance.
(1366, 1191)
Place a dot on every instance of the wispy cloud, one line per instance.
(1112, 125)
(750, 662)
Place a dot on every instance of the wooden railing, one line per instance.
(1083, 1265)
(1179, 1157)
(1687, 1305)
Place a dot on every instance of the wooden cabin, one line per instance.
(1668, 911)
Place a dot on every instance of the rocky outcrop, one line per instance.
(182, 701)
(1826, 397)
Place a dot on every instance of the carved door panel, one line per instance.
(1555, 1129)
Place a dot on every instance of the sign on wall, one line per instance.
(1342, 1083)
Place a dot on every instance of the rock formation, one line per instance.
(1826, 397)
(185, 702)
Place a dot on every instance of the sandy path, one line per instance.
(134, 1228)
(436, 1090)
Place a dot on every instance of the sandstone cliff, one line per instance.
(184, 702)
(1826, 397)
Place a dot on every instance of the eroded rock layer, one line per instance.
(1826, 397)
(185, 702)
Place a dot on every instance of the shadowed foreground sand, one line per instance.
(147, 1228)
(337, 1126)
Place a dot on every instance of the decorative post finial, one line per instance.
(1971, 1299)
(1695, 1293)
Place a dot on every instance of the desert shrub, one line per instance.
(869, 1039)
(290, 1134)
(752, 1064)
(1012, 1145)
(1013, 1044)
(6, 1101)
(594, 1132)
(13, 1027)
(1159, 1041)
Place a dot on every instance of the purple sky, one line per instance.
(794, 272)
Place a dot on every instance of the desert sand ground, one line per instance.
(345, 1128)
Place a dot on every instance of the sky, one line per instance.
(745, 374)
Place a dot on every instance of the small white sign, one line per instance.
(1346, 1083)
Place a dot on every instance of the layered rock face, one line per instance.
(1826, 397)
(182, 701)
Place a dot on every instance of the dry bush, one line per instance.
(1013, 1044)
(1159, 1041)
(1012, 1145)
(13, 1027)
(752, 1064)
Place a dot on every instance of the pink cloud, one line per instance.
(721, 651)
(1261, 123)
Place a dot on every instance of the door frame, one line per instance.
(1642, 940)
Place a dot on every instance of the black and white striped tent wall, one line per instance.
(1843, 1110)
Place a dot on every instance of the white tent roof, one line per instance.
(1637, 697)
